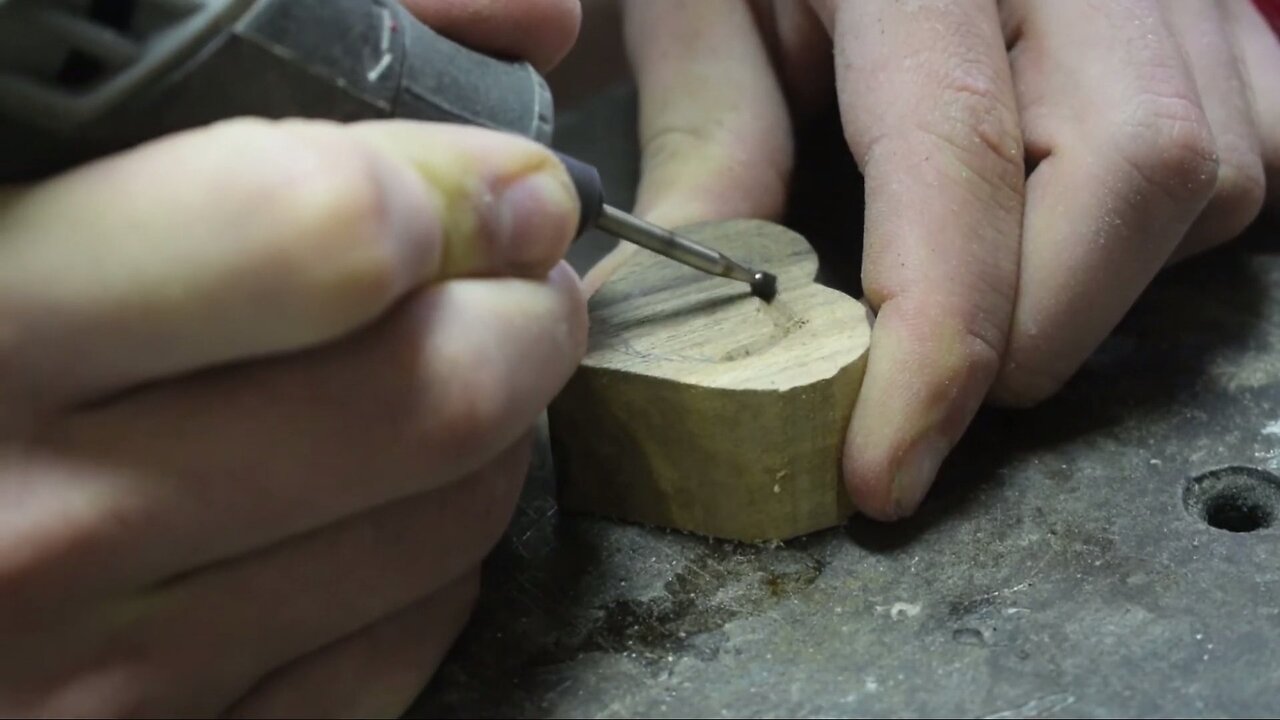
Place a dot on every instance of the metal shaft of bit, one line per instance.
(684, 251)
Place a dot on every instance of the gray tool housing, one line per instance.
(81, 78)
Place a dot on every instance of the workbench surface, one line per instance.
(1055, 571)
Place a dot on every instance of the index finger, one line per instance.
(927, 103)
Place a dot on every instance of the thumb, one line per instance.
(715, 135)
(505, 205)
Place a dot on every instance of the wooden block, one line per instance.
(704, 409)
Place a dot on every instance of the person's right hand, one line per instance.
(1029, 166)
(265, 399)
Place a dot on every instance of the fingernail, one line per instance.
(537, 216)
(917, 472)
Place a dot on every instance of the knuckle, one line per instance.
(975, 366)
(342, 206)
(976, 319)
(684, 162)
(1168, 143)
(670, 144)
(981, 129)
(965, 341)
(326, 218)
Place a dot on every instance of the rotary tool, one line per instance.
(83, 78)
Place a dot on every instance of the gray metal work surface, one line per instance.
(1056, 571)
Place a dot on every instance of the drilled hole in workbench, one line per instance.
(1236, 514)
(1237, 499)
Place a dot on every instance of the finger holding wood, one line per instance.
(702, 408)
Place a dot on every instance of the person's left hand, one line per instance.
(1132, 134)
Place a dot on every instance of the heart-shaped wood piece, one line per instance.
(704, 409)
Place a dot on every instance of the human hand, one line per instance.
(265, 399)
(1029, 167)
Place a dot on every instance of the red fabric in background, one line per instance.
(1270, 9)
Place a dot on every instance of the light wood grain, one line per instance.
(704, 409)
